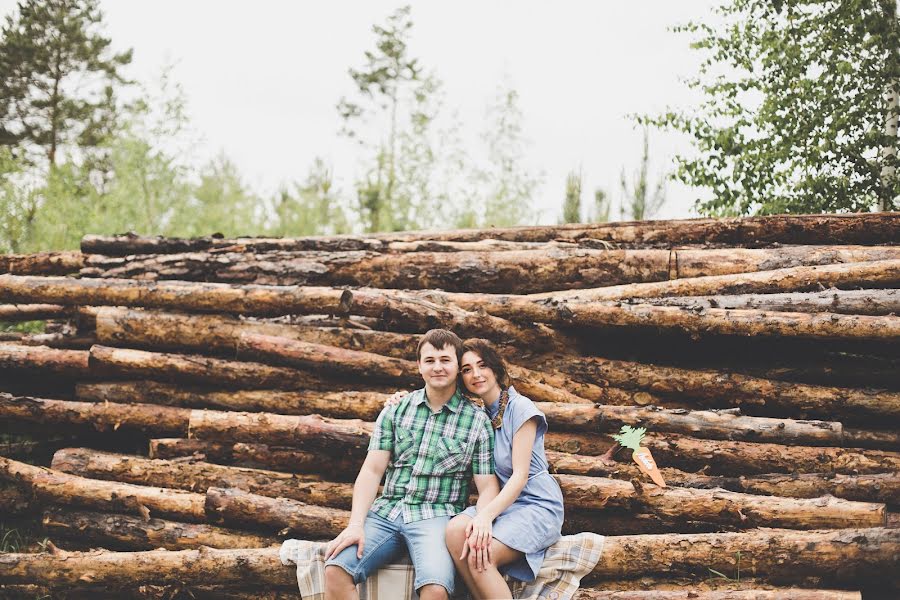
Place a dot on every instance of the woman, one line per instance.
(510, 533)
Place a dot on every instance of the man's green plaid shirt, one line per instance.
(430, 456)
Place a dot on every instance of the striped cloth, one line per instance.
(565, 564)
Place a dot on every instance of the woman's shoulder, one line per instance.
(519, 400)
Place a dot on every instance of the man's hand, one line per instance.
(353, 534)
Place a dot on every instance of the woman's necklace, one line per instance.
(497, 421)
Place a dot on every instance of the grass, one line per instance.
(737, 573)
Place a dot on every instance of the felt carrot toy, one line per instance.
(631, 437)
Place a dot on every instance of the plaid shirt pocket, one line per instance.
(452, 456)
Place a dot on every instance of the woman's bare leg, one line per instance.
(490, 583)
(456, 539)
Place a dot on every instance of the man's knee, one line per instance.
(433, 591)
(337, 579)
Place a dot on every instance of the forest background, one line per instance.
(793, 108)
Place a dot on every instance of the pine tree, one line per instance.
(572, 203)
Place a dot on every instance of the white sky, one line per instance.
(262, 78)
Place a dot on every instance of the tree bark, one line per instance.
(289, 517)
(42, 263)
(861, 228)
(746, 458)
(752, 394)
(847, 555)
(16, 313)
(54, 487)
(123, 532)
(850, 302)
(43, 360)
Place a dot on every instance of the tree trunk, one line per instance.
(861, 228)
(847, 555)
(16, 313)
(54, 487)
(43, 360)
(752, 394)
(123, 532)
(841, 555)
(289, 517)
(42, 263)
(855, 302)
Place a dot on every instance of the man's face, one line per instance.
(438, 368)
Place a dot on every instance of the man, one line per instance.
(428, 444)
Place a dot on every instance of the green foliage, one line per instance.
(18, 203)
(793, 119)
(313, 209)
(222, 203)
(639, 201)
(630, 437)
(572, 203)
(602, 205)
(58, 78)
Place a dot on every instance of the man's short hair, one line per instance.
(440, 339)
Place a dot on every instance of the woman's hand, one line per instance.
(478, 543)
(395, 398)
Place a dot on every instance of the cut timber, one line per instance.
(349, 405)
(42, 263)
(126, 532)
(861, 228)
(228, 505)
(15, 313)
(55, 487)
(839, 555)
(149, 418)
(44, 360)
(718, 388)
(341, 465)
(129, 569)
(855, 302)
(846, 555)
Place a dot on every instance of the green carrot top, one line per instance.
(630, 437)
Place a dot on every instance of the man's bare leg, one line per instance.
(339, 584)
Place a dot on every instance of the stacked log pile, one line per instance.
(193, 402)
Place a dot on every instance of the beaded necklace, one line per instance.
(497, 421)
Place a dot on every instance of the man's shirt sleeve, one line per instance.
(383, 433)
(483, 456)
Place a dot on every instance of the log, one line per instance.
(14, 501)
(860, 228)
(579, 492)
(17, 313)
(746, 458)
(148, 418)
(55, 487)
(125, 532)
(129, 569)
(290, 517)
(64, 340)
(718, 388)
(846, 555)
(851, 302)
(349, 405)
(43, 360)
(42, 263)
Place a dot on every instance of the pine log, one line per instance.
(847, 555)
(149, 418)
(16, 313)
(14, 501)
(579, 492)
(289, 517)
(42, 263)
(126, 532)
(55, 487)
(63, 340)
(349, 405)
(752, 394)
(860, 228)
(851, 302)
(745, 458)
(44, 360)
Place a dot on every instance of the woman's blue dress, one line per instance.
(534, 521)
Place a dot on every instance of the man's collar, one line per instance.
(453, 403)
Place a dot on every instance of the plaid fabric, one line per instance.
(565, 564)
(430, 456)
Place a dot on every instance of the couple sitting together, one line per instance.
(429, 444)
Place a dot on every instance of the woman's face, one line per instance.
(477, 377)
